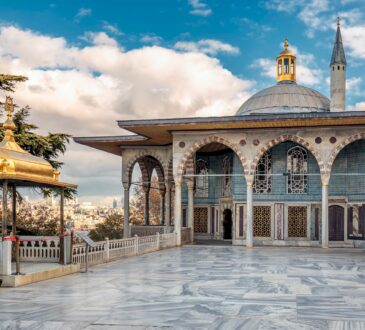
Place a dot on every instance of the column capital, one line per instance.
(126, 185)
(249, 179)
(190, 184)
(325, 178)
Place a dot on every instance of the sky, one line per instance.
(91, 63)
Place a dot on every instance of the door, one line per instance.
(336, 217)
(227, 224)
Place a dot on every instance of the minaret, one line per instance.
(338, 73)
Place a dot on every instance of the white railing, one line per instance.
(39, 248)
(150, 230)
(106, 251)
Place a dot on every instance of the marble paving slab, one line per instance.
(200, 287)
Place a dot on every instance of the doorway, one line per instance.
(336, 217)
(227, 224)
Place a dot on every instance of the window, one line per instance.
(280, 67)
(338, 68)
(297, 167)
(201, 181)
(262, 182)
(292, 67)
(286, 65)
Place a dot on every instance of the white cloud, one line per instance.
(151, 39)
(84, 90)
(112, 28)
(207, 46)
(83, 12)
(353, 86)
(354, 40)
(99, 38)
(200, 8)
(359, 106)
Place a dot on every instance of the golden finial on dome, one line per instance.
(286, 64)
(286, 44)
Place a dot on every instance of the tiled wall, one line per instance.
(350, 160)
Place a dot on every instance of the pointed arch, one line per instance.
(340, 146)
(284, 138)
(189, 154)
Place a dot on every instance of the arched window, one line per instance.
(227, 179)
(280, 67)
(202, 179)
(262, 182)
(292, 67)
(297, 167)
(286, 65)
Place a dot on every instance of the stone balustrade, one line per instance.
(109, 250)
(39, 248)
(150, 230)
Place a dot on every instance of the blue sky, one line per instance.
(93, 62)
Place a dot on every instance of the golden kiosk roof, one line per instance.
(19, 166)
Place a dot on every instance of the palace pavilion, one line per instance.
(287, 169)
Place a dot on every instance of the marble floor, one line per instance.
(200, 287)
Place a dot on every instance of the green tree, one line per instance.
(49, 146)
(111, 227)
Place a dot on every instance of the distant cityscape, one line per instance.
(78, 215)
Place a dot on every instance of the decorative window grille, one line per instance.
(297, 221)
(297, 167)
(262, 182)
(201, 220)
(202, 179)
(227, 179)
(262, 221)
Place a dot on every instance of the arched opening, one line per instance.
(217, 175)
(227, 224)
(147, 192)
(347, 189)
(287, 194)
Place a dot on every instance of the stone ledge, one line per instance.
(19, 280)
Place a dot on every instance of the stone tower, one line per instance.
(338, 73)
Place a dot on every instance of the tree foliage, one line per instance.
(49, 146)
(8, 81)
(111, 227)
(137, 203)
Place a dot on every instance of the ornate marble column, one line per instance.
(249, 225)
(325, 214)
(190, 185)
(162, 207)
(126, 231)
(146, 216)
(168, 205)
(177, 212)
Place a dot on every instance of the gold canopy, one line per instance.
(17, 164)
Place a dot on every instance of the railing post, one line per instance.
(158, 240)
(106, 249)
(136, 245)
(5, 257)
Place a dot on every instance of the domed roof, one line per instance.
(285, 97)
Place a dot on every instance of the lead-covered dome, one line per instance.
(285, 97)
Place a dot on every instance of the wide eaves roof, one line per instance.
(158, 132)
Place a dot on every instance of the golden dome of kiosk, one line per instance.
(17, 164)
